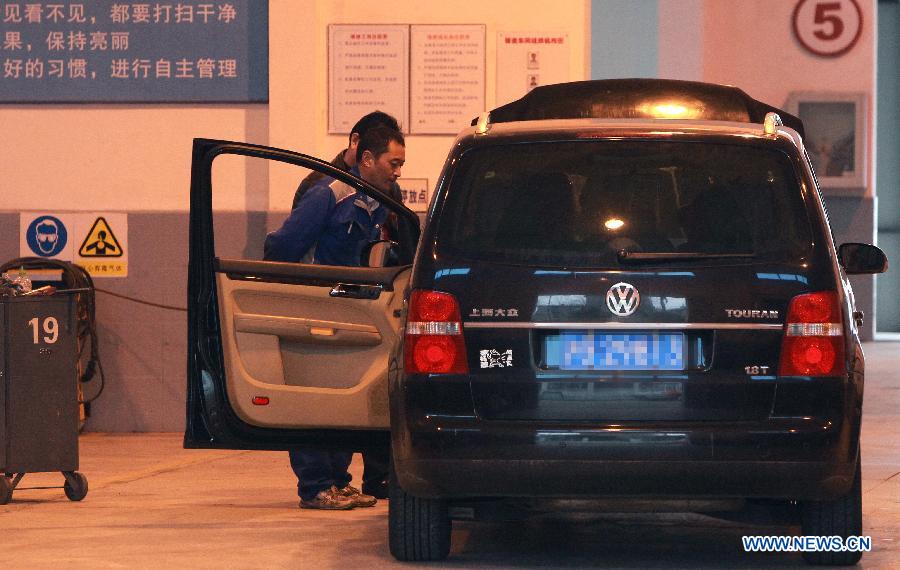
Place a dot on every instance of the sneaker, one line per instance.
(329, 499)
(358, 498)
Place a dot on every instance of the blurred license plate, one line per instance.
(586, 350)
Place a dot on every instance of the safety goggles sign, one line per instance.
(45, 236)
(94, 240)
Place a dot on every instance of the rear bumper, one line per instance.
(790, 459)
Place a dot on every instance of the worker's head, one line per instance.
(380, 155)
(362, 126)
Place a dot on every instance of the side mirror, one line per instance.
(861, 258)
(381, 253)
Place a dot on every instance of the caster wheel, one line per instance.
(6, 489)
(76, 486)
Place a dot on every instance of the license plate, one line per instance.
(586, 350)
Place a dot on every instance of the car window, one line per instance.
(252, 199)
(578, 204)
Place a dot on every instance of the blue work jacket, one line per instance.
(331, 217)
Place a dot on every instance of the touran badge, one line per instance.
(623, 299)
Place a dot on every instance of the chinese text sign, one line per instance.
(109, 51)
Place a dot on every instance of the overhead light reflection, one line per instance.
(671, 110)
(613, 224)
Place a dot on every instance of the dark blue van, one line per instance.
(624, 290)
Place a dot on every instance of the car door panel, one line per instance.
(284, 354)
(282, 342)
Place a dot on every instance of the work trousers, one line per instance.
(317, 470)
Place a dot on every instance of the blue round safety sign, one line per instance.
(46, 236)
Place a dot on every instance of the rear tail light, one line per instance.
(813, 343)
(434, 342)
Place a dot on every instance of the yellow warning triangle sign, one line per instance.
(100, 241)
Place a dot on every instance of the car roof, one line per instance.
(690, 102)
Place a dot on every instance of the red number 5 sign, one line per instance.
(828, 28)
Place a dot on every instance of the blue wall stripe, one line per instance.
(624, 38)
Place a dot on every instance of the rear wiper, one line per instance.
(625, 256)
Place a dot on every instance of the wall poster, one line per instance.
(446, 77)
(526, 60)
(368, 70)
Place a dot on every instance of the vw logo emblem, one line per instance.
(623, 299)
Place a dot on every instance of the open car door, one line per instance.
(283, 354)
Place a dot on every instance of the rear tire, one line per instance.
(840, 517)
(418, 529)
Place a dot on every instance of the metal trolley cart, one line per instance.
(38, 394)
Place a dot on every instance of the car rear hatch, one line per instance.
(625, 280)
(700, 344)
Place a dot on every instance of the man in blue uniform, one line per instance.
(335, 222)
(376, 460)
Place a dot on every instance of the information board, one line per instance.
(92, 51)
(526, 60)
(447, 77)
(368, 70)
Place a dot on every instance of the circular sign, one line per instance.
(829, 28)
(623, 299)
(46, 236)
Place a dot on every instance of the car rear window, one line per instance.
(580, 203)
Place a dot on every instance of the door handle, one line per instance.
(354, 291)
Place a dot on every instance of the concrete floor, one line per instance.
(153, 504)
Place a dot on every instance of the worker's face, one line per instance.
(382, 171)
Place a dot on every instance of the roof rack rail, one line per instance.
(483, 122)
(771, 123)
(637, 99)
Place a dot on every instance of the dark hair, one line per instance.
(377, 140)
(372, 120)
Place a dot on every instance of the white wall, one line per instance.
(681, 39)
(298, 107)
(137, 157)
(110, 157)
(751, 45)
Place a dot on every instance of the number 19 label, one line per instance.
(49, 326)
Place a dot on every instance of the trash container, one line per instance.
(38, 395)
